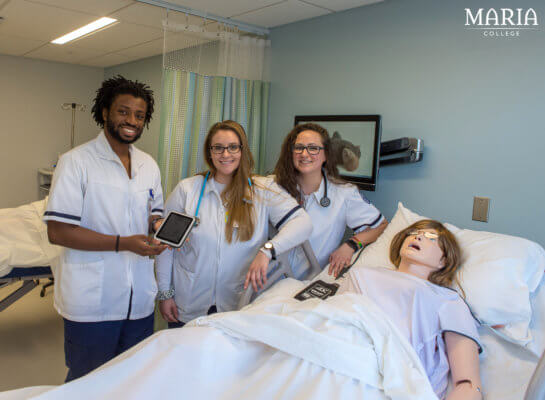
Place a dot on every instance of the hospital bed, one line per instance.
(25, 251)
(509, 370)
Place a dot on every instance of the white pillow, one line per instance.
(498, 273)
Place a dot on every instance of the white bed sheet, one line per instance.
(23, 238)
(277, 348)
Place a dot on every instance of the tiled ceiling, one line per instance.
(28, 26)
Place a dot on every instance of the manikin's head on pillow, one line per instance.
(428, 250)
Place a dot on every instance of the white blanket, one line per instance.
(23, 238)
(276, 348)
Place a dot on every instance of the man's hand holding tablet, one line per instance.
(175, 229)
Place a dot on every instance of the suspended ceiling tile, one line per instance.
(63, 53)
(107, 60)
(340, 5)
(225, 8)
(16, 46)
(145, 14)
(151, 48)
(155, 47)
(39, 22)
(119, 36)
(281, 14)
(95, 7)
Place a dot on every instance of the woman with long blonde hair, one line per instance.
(234, 209)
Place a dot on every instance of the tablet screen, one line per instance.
(174, 228)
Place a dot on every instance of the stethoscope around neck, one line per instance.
(197, 219)
(325, 201)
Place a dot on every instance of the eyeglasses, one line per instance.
(311, 149)
(232, 148)
(428, 235)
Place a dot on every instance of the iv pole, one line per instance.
(73, 107)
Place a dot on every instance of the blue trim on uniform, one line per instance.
(61, 215)
(157, 210)
(371, 224)
(289, 214)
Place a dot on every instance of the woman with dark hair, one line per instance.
(234, 208)
(306, 173)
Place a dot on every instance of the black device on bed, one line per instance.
(175, 229)
(318, 289)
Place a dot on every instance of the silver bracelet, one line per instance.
(165, 294)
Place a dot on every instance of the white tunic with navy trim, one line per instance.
(91, 189)
(421, 310)
(347, 209)
(210, 271)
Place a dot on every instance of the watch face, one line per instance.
(268, 246)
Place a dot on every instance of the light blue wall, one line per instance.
(148, 70)
(478, 103)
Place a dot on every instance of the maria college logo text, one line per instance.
(504, 22)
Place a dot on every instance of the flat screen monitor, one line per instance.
(355, 145)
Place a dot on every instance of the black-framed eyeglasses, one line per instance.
(232, 148)
(312, 149)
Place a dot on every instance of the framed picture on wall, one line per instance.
(355, 145)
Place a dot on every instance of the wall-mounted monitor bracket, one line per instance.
(401, 151)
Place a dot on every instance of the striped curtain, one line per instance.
(191, 104)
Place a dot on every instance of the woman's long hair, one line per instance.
(447, 243)
(285, 172)
(238, 194)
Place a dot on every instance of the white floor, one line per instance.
(31, 341)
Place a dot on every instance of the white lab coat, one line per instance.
(210, 271)
(348, 208)
(91, 189)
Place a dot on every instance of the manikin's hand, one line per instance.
(257, 273)
(141, 245)
(168, 310)
(339, 259)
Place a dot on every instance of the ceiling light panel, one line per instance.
(94, 26)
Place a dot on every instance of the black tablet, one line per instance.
(175, 228)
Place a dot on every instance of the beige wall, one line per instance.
(34, 129)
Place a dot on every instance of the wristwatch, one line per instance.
(269, 246)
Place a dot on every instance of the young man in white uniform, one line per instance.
(104, 195)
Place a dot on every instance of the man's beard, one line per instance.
(114, 132)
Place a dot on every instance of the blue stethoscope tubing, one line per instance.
(197, 220)
(325, 201)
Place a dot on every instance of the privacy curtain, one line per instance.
(209, 77)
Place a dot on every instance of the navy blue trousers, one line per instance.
(88, 345)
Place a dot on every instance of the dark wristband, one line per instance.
(353, 245)
(117, 244)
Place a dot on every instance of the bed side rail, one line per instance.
(536, 387)
(280, 269)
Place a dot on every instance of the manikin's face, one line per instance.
(225, 163)
(125, 119)
(422, 250)
(304, 162)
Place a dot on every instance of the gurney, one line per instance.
(25, 252)
(30, 278)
